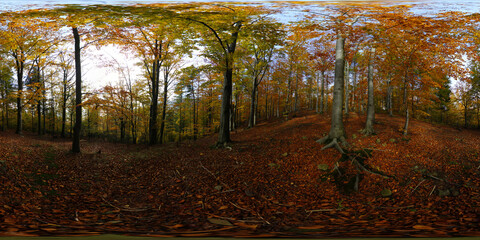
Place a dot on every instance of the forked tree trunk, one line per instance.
(225, 111)
(337, 130)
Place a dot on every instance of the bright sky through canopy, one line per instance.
(97, 75)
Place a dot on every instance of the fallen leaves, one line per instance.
(164, 191)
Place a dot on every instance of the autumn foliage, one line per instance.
(234, 102)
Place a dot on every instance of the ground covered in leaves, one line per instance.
(274, 180)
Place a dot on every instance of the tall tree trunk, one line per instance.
(296, 91)
(20, 66)
(224, 131)
(323, 100)
(389, 97)
(155, 79)
(122, 129)
(371, 105)
(257, 112)
(407, 119)
(354, 87)
(347, 83)
(194, 111)
(7, 116)
(64, 107)
(78, 94)
(405, 102)
(225, 110)
(3, 116)
(337, 130)
(251, 118)
(39, 118)
(317, 108)
(164, 108)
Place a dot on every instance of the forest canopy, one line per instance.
(200, 68)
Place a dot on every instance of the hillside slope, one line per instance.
(274, 180)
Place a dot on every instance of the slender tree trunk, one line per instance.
(256, 111)
(407, 119)
(317, 108)
(44, 116)
(389, 97)
(43, 104)
(3, 116)
(325, 102)
(164, 108)
(371, 105)
(405, 101)
(296, 91)
(195, 130)
(7, 117)
(251, 119)
(64, 108)
(337, 130)
(78, 94)
(322, 100)
(39, 118)
(347, 83)
(20, 66)
(354, 87)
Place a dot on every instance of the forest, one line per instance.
(278, 119)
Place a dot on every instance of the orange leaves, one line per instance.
(422, 227)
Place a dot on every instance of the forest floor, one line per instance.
(273, 181)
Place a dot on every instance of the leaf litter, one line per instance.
(274, 180)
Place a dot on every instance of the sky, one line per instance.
(97, 75)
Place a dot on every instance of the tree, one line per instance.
(6, 77)
(337, 130)
(368, 130)
(264, 37)
(153, 39)
(25, 39)
(224, 23)
(65, 64)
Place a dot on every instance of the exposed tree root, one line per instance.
(334, 143)
(357, 159)
(368, 132)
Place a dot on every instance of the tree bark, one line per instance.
(322, 100)
(64, 102)
(78, 94)
(225, 111)
(389, 98)
(154, 79)
(337, 130)
(251, 119)
(164, 108)
(347, 83)
(19, 66)
(371, 105)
